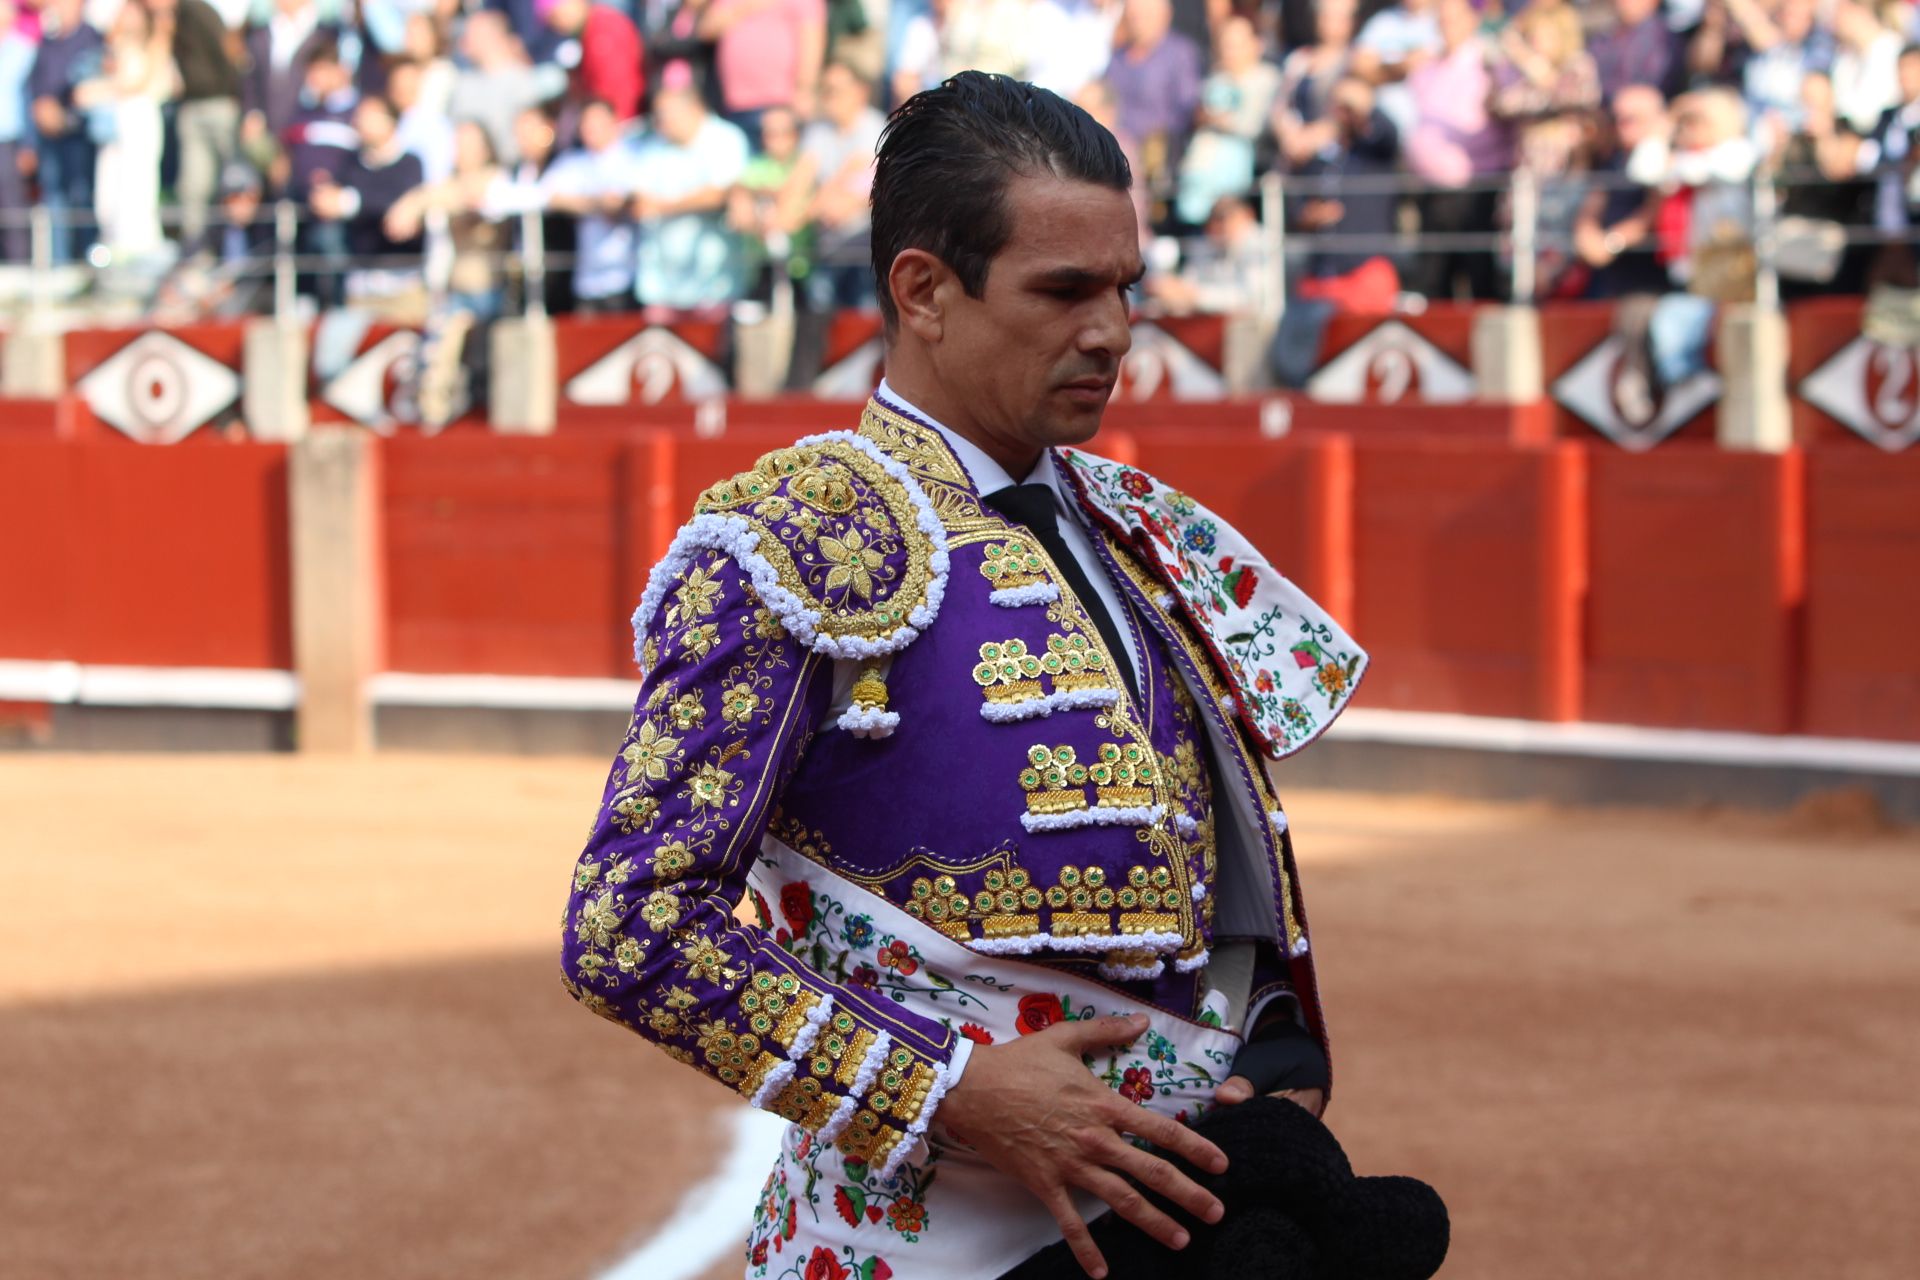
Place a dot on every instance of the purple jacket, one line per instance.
(985, 773)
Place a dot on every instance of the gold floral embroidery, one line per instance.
(1008, 672)
(1080, 901)
(738, 704)
(671, 860)
(1054, 780)
(661, 910)
(1012, 564)
(698, 593)
(776, 1007)
(700, 641)
(703, 958)
(839, 532)
(688, 711)
(650, 754)
(1124, 776)
(711, 787)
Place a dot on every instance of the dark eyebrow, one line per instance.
(1082, 278)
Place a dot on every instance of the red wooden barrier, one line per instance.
(507, 556)
(1697, 575)
(148, 557)
(1863, 608)
(1468, 568)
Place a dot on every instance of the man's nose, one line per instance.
(1112, 333)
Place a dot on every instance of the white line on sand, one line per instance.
(711, 1219)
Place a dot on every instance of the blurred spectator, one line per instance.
(206, 124)
(228, 272)
(768, 53)
(829, 189)
(1890, 156)
(320, 137)
(1393, 44)
(1235, 102)
(1460, 149)
(595, 183)
(1349, 198)
(1641, 49)
(1703, 224)
(682, 172)
(378, 174)
(960, 35)
(476, 280)
(1546, 89)
(1821, 202)
(827, 195)
(426, 48)
(601, 47)
(1155, 80)
(424, 132)
(1767, 47)
(754, 205)
(1866, 75)
(499, 82)
(1070, 42)
(70, 52)
(519, 189)
(1224, 273)
(1096, 99)
(1310, 71)
(1613, 234)
(123, 111)
(16, 150)
(277, 54)
(1365, 146)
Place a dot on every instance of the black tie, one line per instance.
(1031, 505)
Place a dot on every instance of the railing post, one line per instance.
(1273, 227)
(285, 231)
(533, 251)
(33, 360)
(1766, 282)
(1526, 235)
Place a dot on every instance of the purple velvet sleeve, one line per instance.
(728, 701)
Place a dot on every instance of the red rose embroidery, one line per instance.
(1137, 1085)
(763, 914)
(796, 904)
(1136, 483)
(759, 1258)
(864, 975)
(1243, 585)
(897, 955)
(976, 1033)
(1038, 1012)
(824, 1266)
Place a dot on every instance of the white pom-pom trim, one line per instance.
(1061, 700)
(1278, 819)
(770, 1087)
(1165, 600)
(942, 1081)
(1228, 706)
(1187, 964)
(1099, 815)
(1028, 944)
(1132, 972)
(739, 539)
(1032, 593)
(816, 1019)
(868, 722)
(1299, 948)
(869, 1068)
(1199, 890)
(1185, 824)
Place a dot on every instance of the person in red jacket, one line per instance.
(601, 51)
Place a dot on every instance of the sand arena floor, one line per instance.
(271, 1017)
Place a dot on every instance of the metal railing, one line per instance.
(1517, 248)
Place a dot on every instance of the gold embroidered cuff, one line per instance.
(1013, 564)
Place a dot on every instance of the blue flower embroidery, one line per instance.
(1199, 537)
(859, 931)
(1159, 1048)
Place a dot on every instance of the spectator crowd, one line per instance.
(688, 154)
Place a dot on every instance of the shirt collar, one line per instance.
(986, 474)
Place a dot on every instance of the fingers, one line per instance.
(1170, 1135)
(1078, 1238)
(1161, 1178)
(1132, 1204)
(1095, 1033)
(1235, 1089)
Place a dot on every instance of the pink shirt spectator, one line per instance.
(1456, 138)
(758, 57)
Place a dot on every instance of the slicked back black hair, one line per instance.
(945, 161)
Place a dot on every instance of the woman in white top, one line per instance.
(123, 103)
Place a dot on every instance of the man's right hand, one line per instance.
(1033, 1110)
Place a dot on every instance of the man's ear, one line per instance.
(915, 281)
